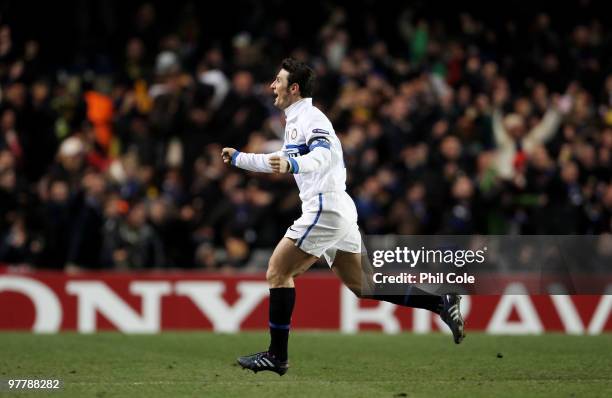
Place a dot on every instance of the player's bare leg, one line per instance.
(348, 267)
(286, 263)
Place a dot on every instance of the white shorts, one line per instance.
(328, 224)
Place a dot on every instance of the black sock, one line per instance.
(415, 298)
(282, 300)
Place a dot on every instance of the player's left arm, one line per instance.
(317, 134)
(319, 157)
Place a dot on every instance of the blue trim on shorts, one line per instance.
(314, 222)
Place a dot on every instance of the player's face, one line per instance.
(282, 93)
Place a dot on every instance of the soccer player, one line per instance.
(328, 225)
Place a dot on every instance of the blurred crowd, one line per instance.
(453, 126)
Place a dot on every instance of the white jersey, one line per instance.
(312, 148)
(329, 218)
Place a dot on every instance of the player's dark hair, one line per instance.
(301, 74)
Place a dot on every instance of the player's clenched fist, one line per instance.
(226, 154)
(279, 164)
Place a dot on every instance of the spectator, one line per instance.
(132, 243)
(109, 146)
(515, 141)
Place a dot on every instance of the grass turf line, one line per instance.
(322, 365)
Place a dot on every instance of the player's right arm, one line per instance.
(249, 161)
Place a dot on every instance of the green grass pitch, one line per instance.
(322, 365)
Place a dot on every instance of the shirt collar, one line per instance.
(293, 109)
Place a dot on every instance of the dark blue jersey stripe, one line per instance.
(314, 222)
